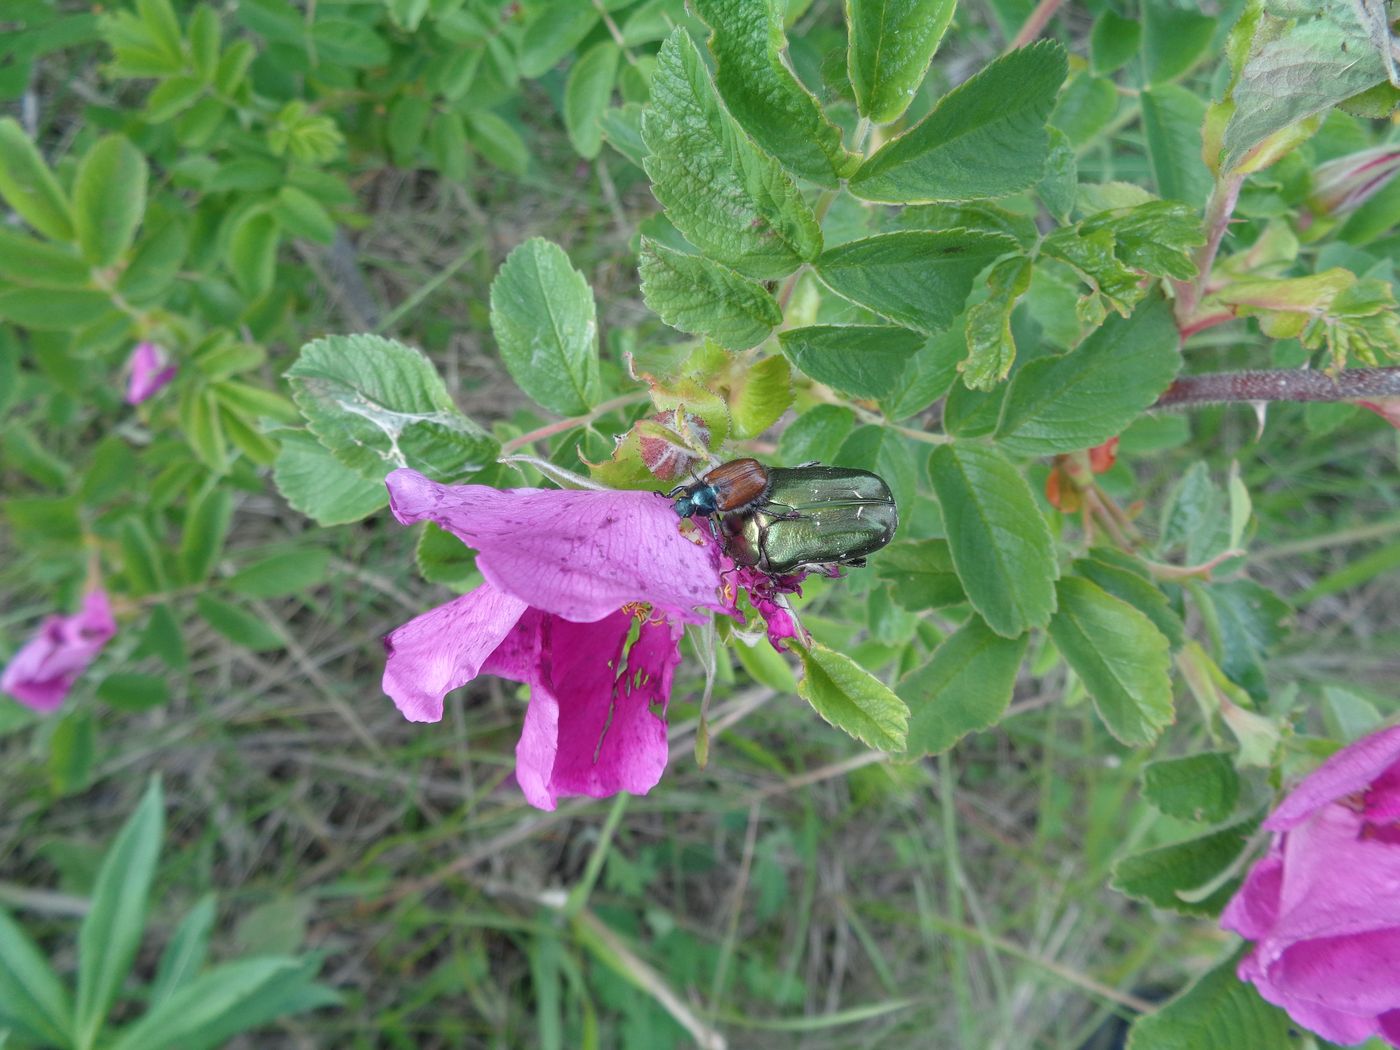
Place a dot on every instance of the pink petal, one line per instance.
(579, 555)
(1348, 771)
(1337, 1025)
(1357, 974)
(1337, 879)
(1383, 797)
(148, 371)
(1390, 1027)
(445, 648)
(1253, 910)
(45, 668)
(590, 728)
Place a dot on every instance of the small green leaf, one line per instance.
(53, 309)
(816, 435)
(498, 141)
(760, 396)
(860, 360)
(1171, 876)
(1202, 787)
(851, 698)
(162, 638)
(917, 278)
(696, 295)
(1058, 188)
(991, 350)
(109, 199)
(202, 539)
(556, 30)
(406, 122)
(128, 691)
(999, 540)
(734, 203)
(344, 42)
(111, 931)
(1173, 39)
(72, 753)
(986, 138)
(927, 375)
(892, 43)
(172, 97)
(442, 558)
(1172, 117)
(24, 260)
(767, 100)
(1218, 1012)
(238, 625)
(447, 139)
(1112, 42)
(33, 1001)
(586, 95)
(303, 214)
(546, 325)
(187, 949)
(377, 405)
(1082, 398)
(318, 485)
(29, 187)
(921, 574)
(622, 127)
(290, 572)
(252, 252)
(966, 686)
(1120, 576)
(1119, 655)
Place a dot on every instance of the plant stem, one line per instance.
(550, 429)
(1035, 24)
(1297, 384)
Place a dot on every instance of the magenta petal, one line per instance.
(1253, 910)
(45, 668)
(590, 728)
(1390, 1027)
(1337, 879)
(579, 555)
(445, 648)
(148, 371)
(1356, 974)
(1348, 771)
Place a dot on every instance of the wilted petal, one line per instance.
(445, 648)
(580, 555)
(1347, 772)
(148, 369)
(590, 728)
(45, 668)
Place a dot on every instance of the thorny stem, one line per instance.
(550, 429)
(1352, 384)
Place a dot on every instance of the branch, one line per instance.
(1353, 384)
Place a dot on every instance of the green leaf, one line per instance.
(129, 691)
(1202, 787)
(377, 405)
(24, 260)
(172, 98)
(696, 295)
(1084, 108)
(252, 252)
(1058, 188)
(1000, 543)
(762, 393)
(1172, 876)
(318, 485)
(1218, 1012)
(966, 686)
(734, 203)
(1173, 40)
(290, 572)
(921, 574)
(1172, 117)
(763, 95)
(447, 139)
(1303, 71)
(111, 930)
(238, 625)
(109, 199)
(1194, 516)
(202, 539)
(52, 309)
(33, 1001)
(303, 214)
(816, 435)
(442, 558)
(498, 142)
(927, 375)
(555, 31)
(201, 421)
(986, 138)
(1119, 655)
(155, 263)
(72, 753)
(344, 42)
(892, 43)
(1251, 620)
(851, 698)
(187, 949)
(1112, 42)
(860, 360)
(990, 346)
(1084, 397)
(407, 121)
(218, 997)
(546, 326)
(1121, 577)
(27, 185)
(622, 127)
(916, 278)
(162, 638)
(586, 95)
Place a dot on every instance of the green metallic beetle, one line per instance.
(812, 515)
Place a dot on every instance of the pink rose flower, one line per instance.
(148, 369)
(585, 600)
(45, 668)
(1323, 906)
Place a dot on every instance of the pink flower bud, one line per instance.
(1341, 186)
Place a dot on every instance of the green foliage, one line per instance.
(851, 698)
